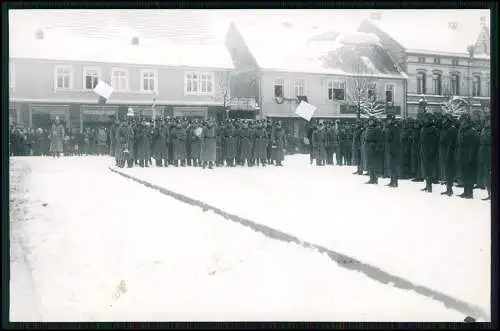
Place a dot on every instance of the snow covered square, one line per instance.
(100, 247)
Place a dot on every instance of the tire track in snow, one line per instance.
(341, 259)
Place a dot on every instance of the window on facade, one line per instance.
(389, 92)
(437, 60)
(455, 84)
(436, 83)
(336, 90)
(91, 76)
(421, 59)
(64, 77)
(454, 62)
(278, 88)
(199, 83)
(299, 87)
(120, 79)
(476, 86)
(148, 81)
(421, 83)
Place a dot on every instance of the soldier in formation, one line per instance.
(197, 143)
(436, 148)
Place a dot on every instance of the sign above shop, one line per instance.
(245, 103)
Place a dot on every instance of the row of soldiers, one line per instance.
(197, 143)
(435, 148)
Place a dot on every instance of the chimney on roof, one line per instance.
(376, 16)
(135, 40)
(452, 25)
(287, 24)
(39, 34)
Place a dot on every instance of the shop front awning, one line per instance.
(192, 111)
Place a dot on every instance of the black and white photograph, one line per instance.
(325, 165)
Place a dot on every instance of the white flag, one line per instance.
(104, 90)
(305, 110)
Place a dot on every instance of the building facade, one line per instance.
(40, 90)
(54, 65)
(278, 86)
(438, 72)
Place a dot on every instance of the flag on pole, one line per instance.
(104, 91)
(305, 110)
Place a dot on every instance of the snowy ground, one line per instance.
(439, 242)
(100, 247)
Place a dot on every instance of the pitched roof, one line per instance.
(167, 38)
(429, 31)
(294, 51)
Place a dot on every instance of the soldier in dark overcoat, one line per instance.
(405, 150)
(356, 147)
(319, 143)
(443, 129)
(142, 144)
(195, 143)
(416, 152)
(179, 137)
(374, 141)
(484, 173)
(278, 145)
(171, 128)
(348, 149)
(345, 144)
(159, 144)
(121, 147)
(209, 144)
(447, 149)
(220, 145)
(468, 148)
(230, 144)
(270, 133)
(393, 150)
(310, 131)
(429, 139)
(364, 163)
(260, 144)
(245, 144)
(332, 143)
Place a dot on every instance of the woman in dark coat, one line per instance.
(319, 143)
(484, 174)
(373, 146)
(230, 144)
(429, 140)
(56, 138)
(260, 145)
(208, 145)
(279, 145)
(179, 137)
(245, 144)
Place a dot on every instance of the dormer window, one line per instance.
(135, 40)
(452, 25)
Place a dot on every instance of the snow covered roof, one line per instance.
(293, 49)
(88, 43)
(432, 31)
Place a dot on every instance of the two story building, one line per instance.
(437, 55)
(52, 72)
(330, 70)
